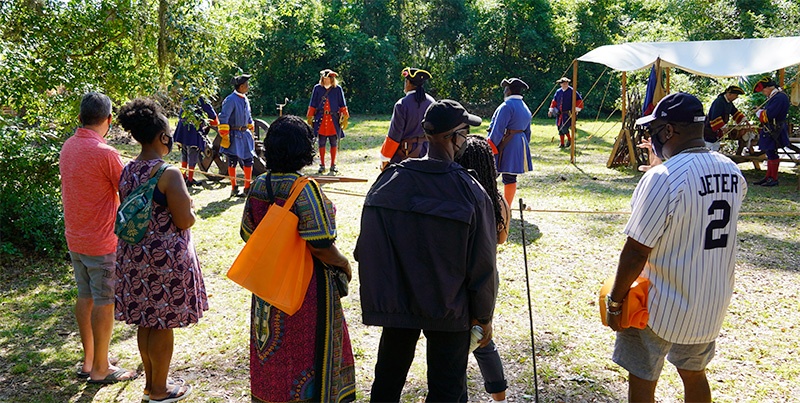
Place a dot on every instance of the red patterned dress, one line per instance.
(159, 283)
(306, 356)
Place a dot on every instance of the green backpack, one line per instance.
(133, 215)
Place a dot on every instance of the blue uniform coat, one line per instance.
(406, 124)
(189, 135)
(336, 98)
(773, 117)
(513, 114)
(236, 114)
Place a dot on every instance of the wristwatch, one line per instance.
(610, 303)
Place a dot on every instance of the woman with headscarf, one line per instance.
(328, 115)
(406, 138)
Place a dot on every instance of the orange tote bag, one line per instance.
(275, 264)
(634, 307)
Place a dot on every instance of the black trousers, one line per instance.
(447, 364)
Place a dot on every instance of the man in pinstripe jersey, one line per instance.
(682, 237)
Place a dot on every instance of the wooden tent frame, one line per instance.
(632, 162)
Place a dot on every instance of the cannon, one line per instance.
(211, 156)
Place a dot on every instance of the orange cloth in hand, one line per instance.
(634, 307)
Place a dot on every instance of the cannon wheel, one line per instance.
(211, 156)
(259, 164)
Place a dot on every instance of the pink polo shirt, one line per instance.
(90, 171)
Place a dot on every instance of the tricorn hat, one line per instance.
(763, 83)
(563, 80)
(415, 76)
(734, 89)
(328, 73)
(515, 83)
(240, 79)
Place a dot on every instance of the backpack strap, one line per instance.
(160, 171)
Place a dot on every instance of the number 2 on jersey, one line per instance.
(722, 241)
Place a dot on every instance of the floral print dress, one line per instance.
(159, 284)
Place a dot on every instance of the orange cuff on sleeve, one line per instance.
(738, 117)
(311, 111)
(389, 148)
(717, 123)
(251, 127)
(224, 129)
(343, 110)
(214, 122)
(579, 104)
(494, 148)
(763, 117)
(553, 103)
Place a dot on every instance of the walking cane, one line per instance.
(530, 308)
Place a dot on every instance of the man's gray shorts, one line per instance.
(95, 276)
(642, 353)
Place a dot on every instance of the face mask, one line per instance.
(462, 148)
(658, 146)
(169, 144)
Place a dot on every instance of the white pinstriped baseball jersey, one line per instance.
(686, 210)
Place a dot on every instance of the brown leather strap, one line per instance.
(506, 137)
(407, 149)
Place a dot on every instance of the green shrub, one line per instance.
(31, 215)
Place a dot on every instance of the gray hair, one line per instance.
(95, 107)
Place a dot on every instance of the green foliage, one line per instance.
(31, 218)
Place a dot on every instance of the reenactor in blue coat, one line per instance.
(719, 114)
(328, 115)
(191, 138)
(561, 108)
(774, 133)
(510, 136)
(236, 128)
(406, 138)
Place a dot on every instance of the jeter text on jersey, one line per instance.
(719, 183)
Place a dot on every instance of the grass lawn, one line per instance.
(569, 255)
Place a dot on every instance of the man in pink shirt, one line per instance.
(90, 171)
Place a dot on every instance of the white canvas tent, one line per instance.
(726, 58)
(729, 58)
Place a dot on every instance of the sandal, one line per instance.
(174, 396)
(114, 377)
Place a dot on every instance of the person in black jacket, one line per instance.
(426, 256)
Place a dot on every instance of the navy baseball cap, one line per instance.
(445, 115)
(676, 107)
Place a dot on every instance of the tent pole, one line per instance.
(667, 70)
(624, 94)
(574, 115)
(781, 77)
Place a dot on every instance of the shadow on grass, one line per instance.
(769, 251)
(218, 207)
(532, 233)
(36, 323)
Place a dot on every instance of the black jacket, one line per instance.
(427, 248)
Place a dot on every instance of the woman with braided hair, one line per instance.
(406, 138)
(478, 159)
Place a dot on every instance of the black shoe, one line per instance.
(561, 146)
(761, 182)
(333, 169)
(242, 193)
(568, 144)
(235, 191)
(770, 183)
(321, 169)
